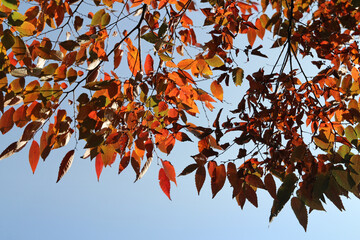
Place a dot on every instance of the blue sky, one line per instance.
(80, 207)
(35, 207)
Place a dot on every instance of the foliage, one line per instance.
(303, 130)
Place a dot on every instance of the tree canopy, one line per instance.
(128, 77)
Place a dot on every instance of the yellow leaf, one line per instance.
(215, 61)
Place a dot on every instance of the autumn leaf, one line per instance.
(34, 155)
(217, 90)
(169, 171)
(65, 164)
(164, 182)
(300, 211)
(99, 165)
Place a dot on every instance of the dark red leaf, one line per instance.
(65, 164)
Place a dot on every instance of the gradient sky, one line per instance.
(80, 207)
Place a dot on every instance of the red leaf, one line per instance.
(124, 162)
(164, 182)
(148, 66)
(6, 121)
(65, 164)
(200, 176)
(233, 178)
(250, 194)
(98, 165)
(169, 170)
(255, 181)
(270, 185)
(34, 155)
(218, 179)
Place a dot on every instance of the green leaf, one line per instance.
(343, 150)
(320, 185)
(163, 29)
(16, 19)
(283, 194)
(105, 19)
(8, 39)
(355, 165)
(150, 37)
(96, 20)
(351, 135)
(342, 178)
(356, 3)
(238, 75)
(12, 4)
(322, 142)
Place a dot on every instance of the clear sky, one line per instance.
(80, 207)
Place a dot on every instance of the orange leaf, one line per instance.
(164, 182)
(163, 106)
(169, 170)
(65, 164)
(99, 165)
(34, 155)
(148, 66)
(185, 64)
(117, 56)
(251, 34)
(217, 90)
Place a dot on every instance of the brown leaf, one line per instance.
(189, 169)
(270, 185)
(200, 176)
(300, 211)
(65, 164)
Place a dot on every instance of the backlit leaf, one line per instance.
(164, 182)
(65, 164)
(6, 121)
(148, 66)
(34, 155)
(217, 90)
(169, 170)
(99, 165)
